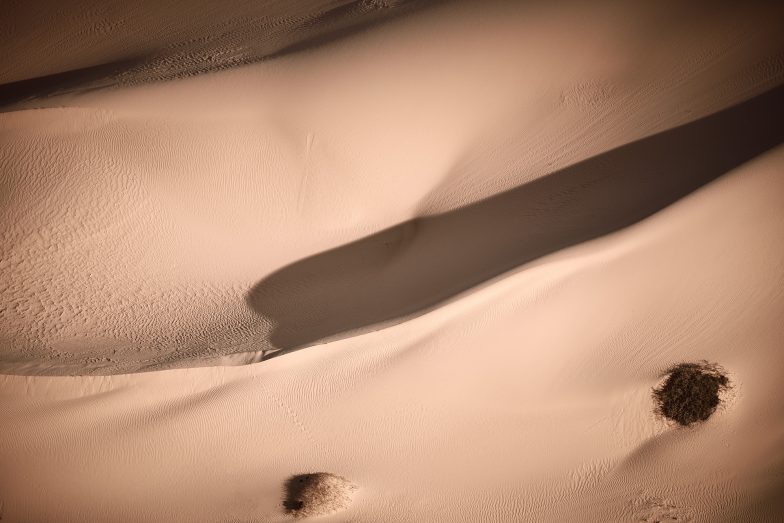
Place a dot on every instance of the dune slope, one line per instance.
(222, 218)
(408, 268)
(263, 260)
(526, 400)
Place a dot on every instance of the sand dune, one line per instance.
(141, 220)
(491, 228)
(112, 44)
(413, 266)
(490, 408)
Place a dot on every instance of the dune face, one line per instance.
(412, 266)
(472, 261)
(171, 225)
(111, 44)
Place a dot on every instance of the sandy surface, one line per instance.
(53, 48)
(459, 249)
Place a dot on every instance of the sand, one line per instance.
(447, 257)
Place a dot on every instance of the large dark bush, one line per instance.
(691, 392)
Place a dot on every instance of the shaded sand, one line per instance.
(526, 400)
(491, 229)
(92, 44)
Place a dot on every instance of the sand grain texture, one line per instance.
(447, 255)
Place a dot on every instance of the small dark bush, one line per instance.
(317, 494)
(690, 393)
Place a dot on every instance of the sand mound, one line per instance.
(317, 494)
(691, 392)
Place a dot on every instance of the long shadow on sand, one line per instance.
(299, 26)
(413, 266)
(76, 80)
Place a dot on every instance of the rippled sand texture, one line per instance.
(445, 255)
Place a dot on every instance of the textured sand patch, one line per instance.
(317, 494)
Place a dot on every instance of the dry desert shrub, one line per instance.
(317, 494)
(691, 392)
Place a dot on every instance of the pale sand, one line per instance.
(508, 379)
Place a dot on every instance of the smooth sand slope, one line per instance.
(473, 238)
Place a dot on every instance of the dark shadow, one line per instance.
(304, 26)
(651, 450)
(348, 19)
(293, 489)
(415, 265)
(62, 83)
